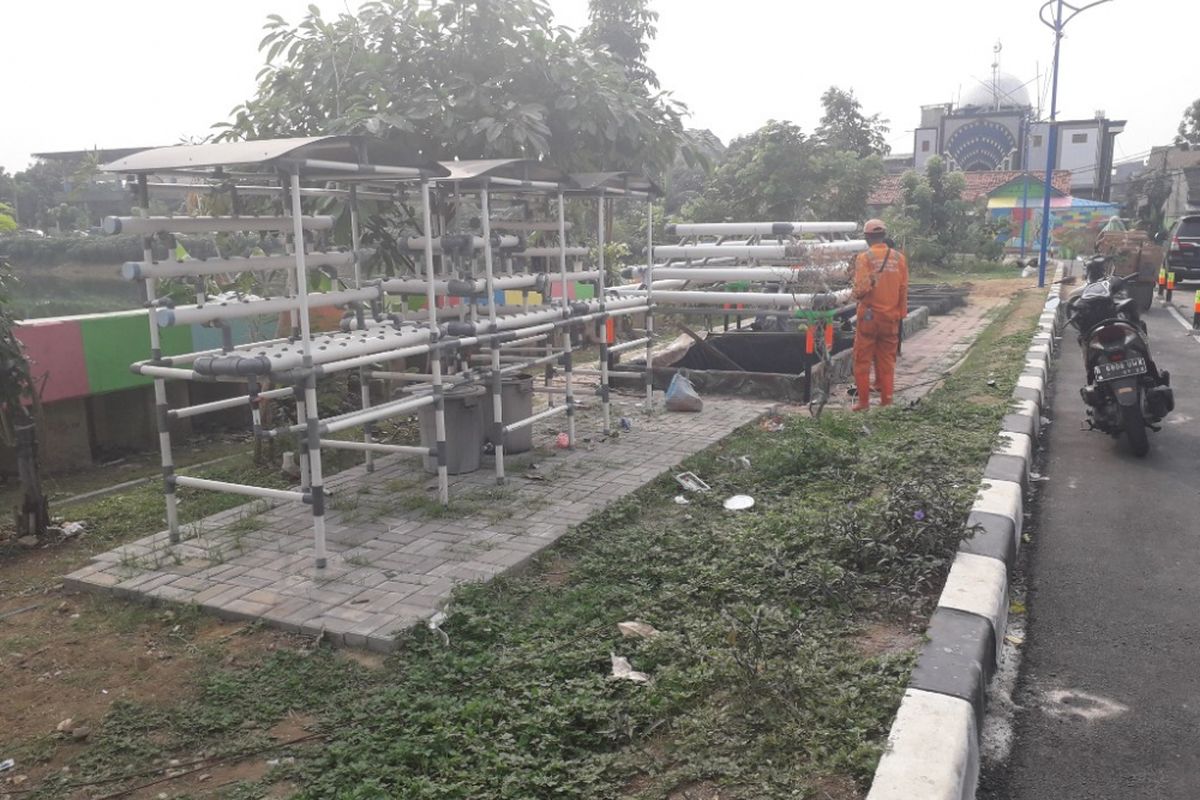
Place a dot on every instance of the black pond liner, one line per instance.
(772, 365)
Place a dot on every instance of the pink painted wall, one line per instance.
(54, 348)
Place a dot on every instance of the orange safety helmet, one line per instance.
(874, 226)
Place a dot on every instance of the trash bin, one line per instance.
(464, 429)
(516, 392)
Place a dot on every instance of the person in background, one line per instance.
(881, 289)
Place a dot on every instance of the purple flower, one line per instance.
(918, 515)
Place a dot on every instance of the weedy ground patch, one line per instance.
(767, 677)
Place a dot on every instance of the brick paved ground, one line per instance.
(395, 558)
(936, 350)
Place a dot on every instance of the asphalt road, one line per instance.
(1109, 693)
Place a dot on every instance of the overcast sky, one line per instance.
(79, 73)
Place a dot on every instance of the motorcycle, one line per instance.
(1125, 392)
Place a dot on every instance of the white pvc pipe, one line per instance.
(523, 225)
(489, 275)
(221, 405)
(713, 275)
(376, 413)
(238, 309)
(374, 447)
(435, 361)
(784, 300)
(415, 243)
(650, 306)
(479, 285)
(525, 423)
(151, 225)
(140, 270)
(238, 488)
(267, 191)
(626, 346)
(349, 166)
(549, 252)
(759, 228)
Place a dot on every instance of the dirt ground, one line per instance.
(71, 657)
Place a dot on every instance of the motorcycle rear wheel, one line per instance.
(1135, 430)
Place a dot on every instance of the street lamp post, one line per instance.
(1057, 26)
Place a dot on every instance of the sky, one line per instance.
(150, 72)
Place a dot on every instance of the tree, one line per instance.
(932, 221)
(7, 223)
(765, 176)
(462, 78)
(19, 410)
(845, 128)
(1189, 127)
(625, 29)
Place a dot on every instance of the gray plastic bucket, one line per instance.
(516, 391)
(464, 429)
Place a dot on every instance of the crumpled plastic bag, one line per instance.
(623, 670)
(682, 395)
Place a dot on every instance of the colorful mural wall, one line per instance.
(90, 354)
(1020, 207)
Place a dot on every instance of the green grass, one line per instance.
(759, 683)
(963, 272)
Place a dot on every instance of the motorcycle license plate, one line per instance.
(1120, 369)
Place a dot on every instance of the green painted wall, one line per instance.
(114, 341)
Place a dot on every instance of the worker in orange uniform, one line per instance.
(881, 289)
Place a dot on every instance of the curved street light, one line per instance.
(1056, 25)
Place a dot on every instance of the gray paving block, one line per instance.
(1001, 467)
(956, 659)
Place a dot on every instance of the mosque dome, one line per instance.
(1006, 91)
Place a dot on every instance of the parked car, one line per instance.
(1183, 249)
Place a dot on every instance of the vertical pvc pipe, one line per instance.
(435, 354)
(569, 391)
(316, 480)
(364, 381)
(602, 323)
(160, 385)
(649, 304)
(497, 377)
(294, 322)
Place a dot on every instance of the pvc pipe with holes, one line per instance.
(148, 226)
(140, 270)
(759, 228)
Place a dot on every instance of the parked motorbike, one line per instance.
(1125, 392)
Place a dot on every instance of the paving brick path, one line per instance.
(395, 558)
(936, 350)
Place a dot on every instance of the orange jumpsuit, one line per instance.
(881, 289)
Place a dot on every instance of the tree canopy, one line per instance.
(845, 128)
(470, 79)
(932, 221)
(625, 29)
(1189, 126)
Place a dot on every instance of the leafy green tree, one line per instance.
(843, 182)
(7, 223)
(1189, 127)
(625, 29)
(462, 78)
(844, 127)
(764, 176)
(932, 221)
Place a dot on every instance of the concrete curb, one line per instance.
(932, 751)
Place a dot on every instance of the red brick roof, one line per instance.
(979, 185)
